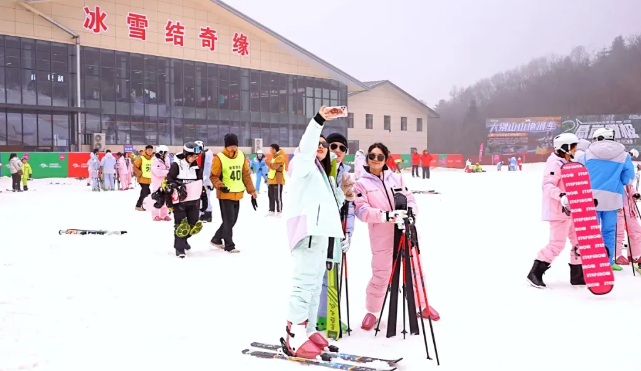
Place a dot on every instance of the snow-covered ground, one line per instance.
(93, 303)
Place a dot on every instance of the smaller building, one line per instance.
(388, 114)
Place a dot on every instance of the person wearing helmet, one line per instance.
(142, 169)
(230, 176)
(260, 168)
(611, 169)
(159, 170)
(579, 156)
(556, 211)
(185, 184)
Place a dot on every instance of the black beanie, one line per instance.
(231, 140)
(337, 137)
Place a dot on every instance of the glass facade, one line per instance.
(143, 99)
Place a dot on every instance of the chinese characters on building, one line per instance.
(174, 31)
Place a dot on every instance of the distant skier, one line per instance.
(499, 165)
(123, 172)
(260, 168)
(556, 211)
(580, 151)
(27, 173)
(512, 166)
(519, 162)
(93, 166)
(108, 168)
(611, 169)
(276, 180)
(416, 162)
(426, 160)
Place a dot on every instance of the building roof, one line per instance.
(294, 49)
(375, 84)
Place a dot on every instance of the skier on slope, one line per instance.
(108, 165)
(633, 227)
(610, 169)
(93, 166)
(159, 170)
(185, 182)
(359, 162)
(260, 168)
(313, 222)
(556, 210)
(205, 159)
(377, 208)
(579, 156)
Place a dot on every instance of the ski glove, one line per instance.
(254, 203)
(396, 216)
(224, 189)
(564, 201)
(345, 243)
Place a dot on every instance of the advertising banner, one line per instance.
(442, 161)
(128, 148)
(43, 164)
(532, 135)
(626, 127)
(78, 165)
(455, 161)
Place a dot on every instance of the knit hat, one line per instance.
(337, 137)
(231, 140)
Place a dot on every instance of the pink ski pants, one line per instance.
(560, 231)
(634, 232)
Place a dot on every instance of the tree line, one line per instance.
(606, 81)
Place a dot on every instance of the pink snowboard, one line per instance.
(594, 257)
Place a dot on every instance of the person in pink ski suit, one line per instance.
(374, 205)
(634, 228)
(123, 172)
(555, 209)
(159, 170)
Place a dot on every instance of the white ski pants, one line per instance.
(307, 280)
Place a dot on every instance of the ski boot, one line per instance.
(196, 228)
(616, 267)
(157, 218)
(167, 218)
(622, 260)
(297, 344)
(317, 338)
(429, 311)
(576, 275)
(368, 322)
(25, 188)
(182, 230)
(535, 277)
(206, 217)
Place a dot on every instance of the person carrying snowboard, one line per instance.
(27, 173)
(374, 205)
(313, 222)
(185, 182)
(556, 211)
(610, 168)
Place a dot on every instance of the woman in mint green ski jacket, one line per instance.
(313, 222)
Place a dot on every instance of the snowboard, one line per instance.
(597, 270)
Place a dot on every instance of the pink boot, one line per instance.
(368, 322)
(431, 312)
(167, 218)
(157, 218)
(622, 260)
(298, 344)
(318, 340)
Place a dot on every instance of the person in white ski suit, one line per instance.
(93, 166)
(108, 165)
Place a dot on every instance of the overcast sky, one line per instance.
(428, 46)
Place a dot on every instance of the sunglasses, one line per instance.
(341, 147)
(374, 156)
(323, 144)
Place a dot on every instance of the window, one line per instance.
(387, 124)
(419, 124)
(350, 120)
(403, 123)
(369, 121)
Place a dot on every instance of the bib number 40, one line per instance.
(235, 175)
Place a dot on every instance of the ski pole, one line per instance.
(389, 286)
(420, 310)
(349, 328)
(625, 219)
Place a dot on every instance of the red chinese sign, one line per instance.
(241, 45)
(95, 20)
(138, 24)
(175, 33)
(208, 38)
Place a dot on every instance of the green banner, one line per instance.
(442, 160)
(43, 164)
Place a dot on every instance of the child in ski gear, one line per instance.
(159, 170)
(108, 168)
(142, 169)
(426, 160)
(26, 173)
(359, 162)
(205, 165)
(313, 222)
(477, 168)
(556, 210)
(375, 205)
(498, 165)
(512, 166)
(15, 168)
(230, 176)
(185, 183)
(93, 166)
(123, 172)
(338, 146)
(633, 229)
(259, 167)
(579, 156)
(519, 162)
(276, 180)
(610, 169)
(416, 162)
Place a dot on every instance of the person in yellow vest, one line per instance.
(142, 169)
(26, 173)
(276, 180)
(230, 176)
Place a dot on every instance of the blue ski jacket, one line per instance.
(611, 169)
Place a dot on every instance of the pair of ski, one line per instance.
(90, 231)
(271, 351)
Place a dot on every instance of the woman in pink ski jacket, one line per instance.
(634, 228)
(123, 172)
(556, 211)
(374, 204)
(159, 170)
